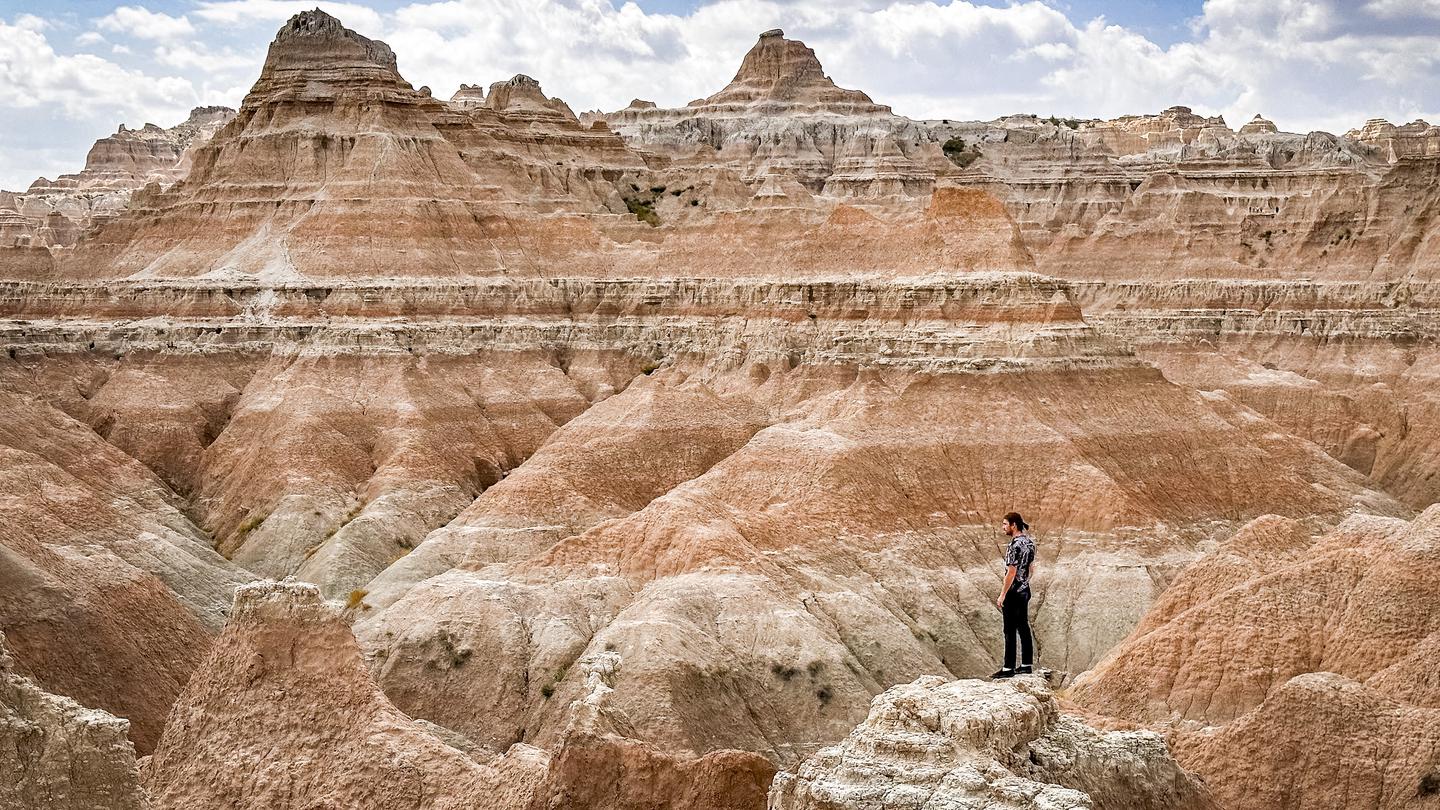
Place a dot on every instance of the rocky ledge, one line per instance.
(972, 744)
(59, 755)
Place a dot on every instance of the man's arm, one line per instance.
(1004, 589)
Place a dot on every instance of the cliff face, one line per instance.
(285, 676)
(55, 213)
(732, 394)
(286, 685)
(59, 754)
(975, 744)
(1265, 649)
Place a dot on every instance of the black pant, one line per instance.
(1017, 623)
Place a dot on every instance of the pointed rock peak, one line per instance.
(313, 40)
(786, 71)
(1259, 125)
(316, 27)
(522, 93)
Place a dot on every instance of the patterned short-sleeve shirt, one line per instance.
(1020, 554)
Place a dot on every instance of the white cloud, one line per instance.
(1306, 64)
(30, 22)
(37, 75)
(206, 62)
(272, 12)
(49, 99)
(142, 23)
(1403, 8)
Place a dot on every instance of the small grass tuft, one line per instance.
(783, 672)
(643, 211)
(960, 153)
(1430, 784)
(355, 598)
(549, 689)
(250, 524)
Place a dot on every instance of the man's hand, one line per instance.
(1005, 587)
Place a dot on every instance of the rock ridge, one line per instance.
(59, 755)
(967, 743)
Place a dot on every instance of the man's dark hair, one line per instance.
(1014, 519)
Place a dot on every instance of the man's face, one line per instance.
(1005, 527)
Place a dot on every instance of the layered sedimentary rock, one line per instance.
(782, 115)
(597, 765)
(331, 139)
(1259, 125)
(285, 686)
(934, 743)
(1347, 365)
(1295, 671)
(810, 614)
(1415, 139)
(1138, 134)
(59, 755)
(133, 158)
(56, 212)
(664, 441)
(111, 592)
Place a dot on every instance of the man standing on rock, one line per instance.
(1014, 601)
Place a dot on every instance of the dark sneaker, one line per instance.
(1023, 669)
(1004, 673)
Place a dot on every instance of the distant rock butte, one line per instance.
(783, 75)
(55, 213)
(1415, 139)
(1259, 125)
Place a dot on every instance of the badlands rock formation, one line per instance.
(284, 713)
(111, 593)
(733, 394)
(1295, 671)
(1415, 139)
(56, 212)
(59, 755)
(967, 743)
(781, 115)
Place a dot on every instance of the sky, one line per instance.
(70, 72)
